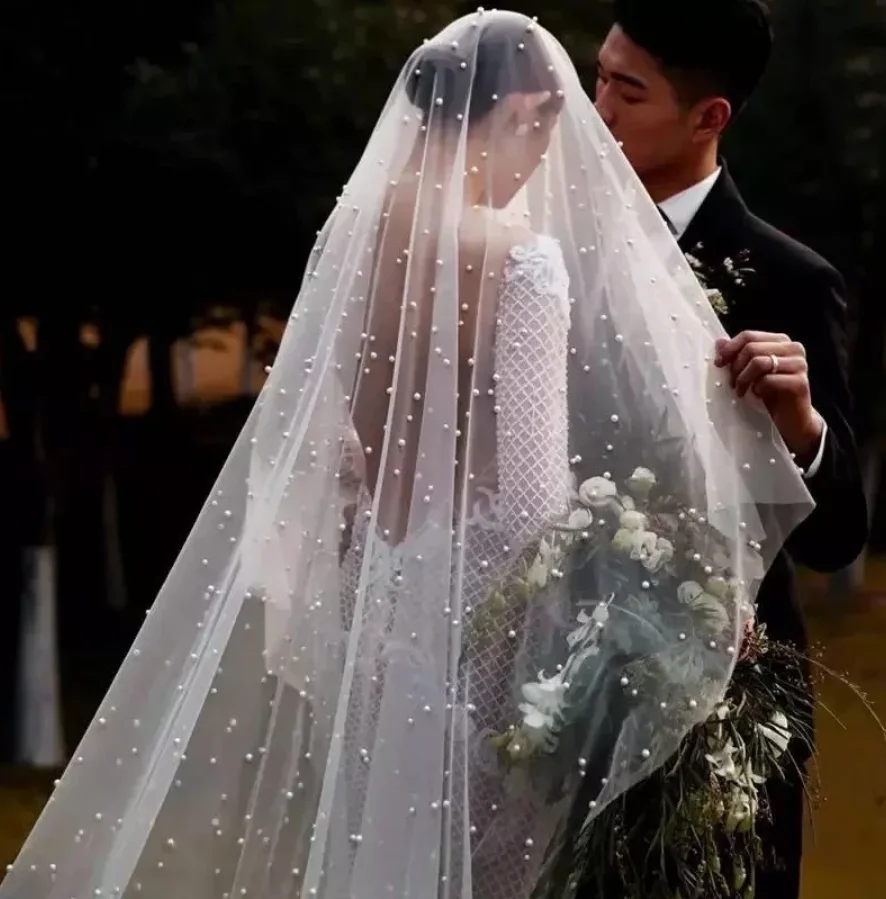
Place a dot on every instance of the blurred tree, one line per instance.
(169, 157)
(69, 263)
(811, 144)
(811, 152)
(856, 106)
(278, 102)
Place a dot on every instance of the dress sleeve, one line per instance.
(530, 390)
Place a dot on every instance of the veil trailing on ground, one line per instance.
(483, 554)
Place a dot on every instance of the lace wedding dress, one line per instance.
(524, 400)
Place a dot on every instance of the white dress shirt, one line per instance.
(680, 210)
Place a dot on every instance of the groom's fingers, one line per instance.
(777, 387)
(763, 351)
(728, 350)
(749, 370)
(753, 356)
(766, 349)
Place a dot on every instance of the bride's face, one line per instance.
(511, 145)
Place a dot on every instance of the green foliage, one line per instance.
(809, 155)
(810, 148)
(189, 149)
(250, 133)
(281, 97)
(676, 835)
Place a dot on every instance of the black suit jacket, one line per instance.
(794, 291)
(790, 290)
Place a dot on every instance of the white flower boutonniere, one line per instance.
(730, 273)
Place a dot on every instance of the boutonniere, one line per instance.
(721, 279)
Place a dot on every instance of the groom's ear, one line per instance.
(712, 115)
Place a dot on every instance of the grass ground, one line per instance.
(847, 835)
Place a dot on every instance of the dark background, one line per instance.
(166, 165)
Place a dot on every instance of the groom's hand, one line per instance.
(774, 367)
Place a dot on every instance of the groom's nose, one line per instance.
(603, 104)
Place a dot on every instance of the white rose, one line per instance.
(689, 591)
(581, 520)
(711, 611)
(633, 521)
(660, 556)
(717, 586)
(596, 492)
(623, 541)
(644, 545)
(641, 481)
(545, 696)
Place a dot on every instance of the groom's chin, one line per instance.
(648, 164)
(637, 155)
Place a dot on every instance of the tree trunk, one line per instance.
(113, 352)
(250, 314)
(36, 726)
(56, 424)
(115, 568)
(160, 345)
(184, 351)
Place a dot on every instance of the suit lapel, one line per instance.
(720, 221)
(719, 230)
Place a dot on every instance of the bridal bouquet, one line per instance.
(688, 828)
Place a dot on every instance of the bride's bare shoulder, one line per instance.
(491, 244)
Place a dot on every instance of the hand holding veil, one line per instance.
(484, 552)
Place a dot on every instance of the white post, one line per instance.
(183, 351)
(40, 739)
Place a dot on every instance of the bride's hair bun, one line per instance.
(459, 80)
(439, 72)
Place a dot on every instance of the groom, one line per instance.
(671, 77)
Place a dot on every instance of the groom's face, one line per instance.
(640, 106)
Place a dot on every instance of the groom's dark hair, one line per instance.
(705, 47)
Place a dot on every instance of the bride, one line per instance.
(353, 684)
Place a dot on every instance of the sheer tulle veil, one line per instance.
(352, 682)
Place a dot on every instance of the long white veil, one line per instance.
(483, 553)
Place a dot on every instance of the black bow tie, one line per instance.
(667, 221)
